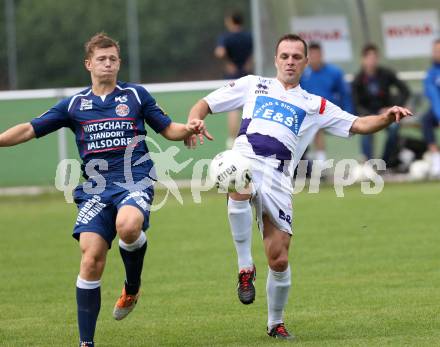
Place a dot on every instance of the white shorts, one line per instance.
(272, 196)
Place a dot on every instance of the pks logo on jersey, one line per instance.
(122, 110)
(86, 104)
(121, 99)
(279, 112)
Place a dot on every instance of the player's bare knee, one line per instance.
(129, 235)
(239, 197)
(92, 266)
(279, 263)
(128, 230)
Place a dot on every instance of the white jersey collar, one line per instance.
(294, 89)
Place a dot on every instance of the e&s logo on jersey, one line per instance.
(122, 110)
(283, 113)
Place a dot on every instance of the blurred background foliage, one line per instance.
(176, 38)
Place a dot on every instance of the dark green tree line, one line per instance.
(176, 37)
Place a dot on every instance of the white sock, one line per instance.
(240, 220)
(277, 288)
(131, 247)
(84, 284)
(230, 142)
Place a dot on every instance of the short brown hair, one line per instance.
(100, 40)
(291, 37)
(315, 45)
(236, 17)
(369, 47)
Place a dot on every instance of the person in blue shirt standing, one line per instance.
(107, 120)
(326, 80)
(431, 119)
(234, 48)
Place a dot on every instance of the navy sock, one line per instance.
(133, 262)
(89, 304)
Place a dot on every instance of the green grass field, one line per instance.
(365, 273)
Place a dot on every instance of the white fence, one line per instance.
(60, 93)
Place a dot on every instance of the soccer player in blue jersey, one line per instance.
(105, 118)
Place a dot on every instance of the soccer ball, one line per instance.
(230, 171)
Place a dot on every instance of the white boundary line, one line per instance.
(38, 190)
(153, 87)
(26, 191)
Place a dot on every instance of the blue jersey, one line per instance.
(105, 126)
(329, 83)
(432, 88)
(238, 46)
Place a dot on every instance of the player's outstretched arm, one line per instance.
(17, 134)
(199, 111)
(374, 123)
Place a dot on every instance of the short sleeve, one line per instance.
(221, 40)
(55, 118)
(334, 120)
(230, 97)
(152, 113)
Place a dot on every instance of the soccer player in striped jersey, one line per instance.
(279, 121)
(105, 118)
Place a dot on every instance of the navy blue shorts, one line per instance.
(97, 212)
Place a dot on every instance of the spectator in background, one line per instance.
(432, 118)
(325, 80)
(234, 48)
(373, 93)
